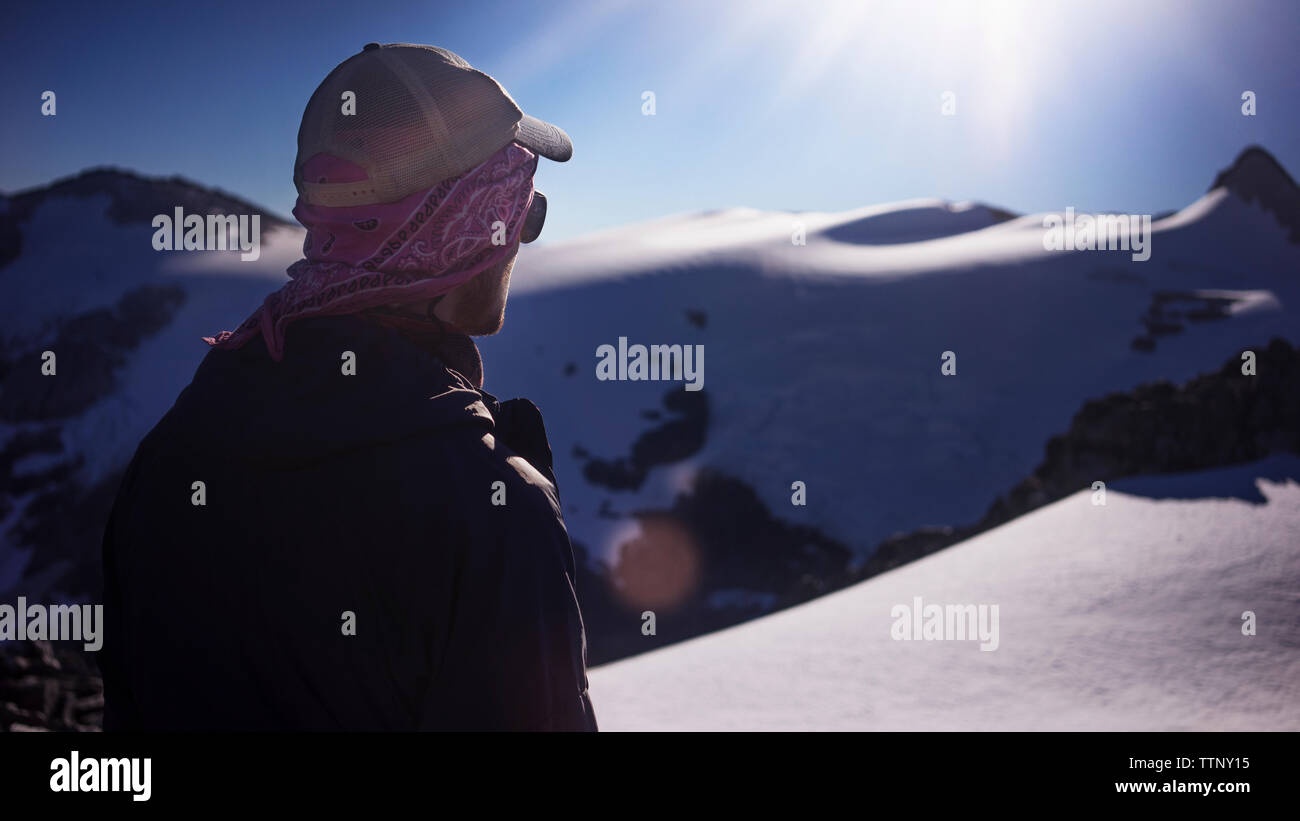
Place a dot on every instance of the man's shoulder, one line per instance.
(483, 472)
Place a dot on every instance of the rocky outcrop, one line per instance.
(1170, 311)
(42, 689)
(716, 558)
(1258, 178)
(62, 518)
(1217, 419)
(671, 441)
(91, 348)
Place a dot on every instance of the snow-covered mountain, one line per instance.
(1127, 616)
(822, 365)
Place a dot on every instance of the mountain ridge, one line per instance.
(133, 198)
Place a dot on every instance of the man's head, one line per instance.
(394, 120)
(415, 183)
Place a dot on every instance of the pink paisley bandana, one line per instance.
(417, 248)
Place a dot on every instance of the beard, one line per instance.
(478, 306)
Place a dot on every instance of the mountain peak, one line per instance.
(1257, 176)
(133, 198)
(137, 198)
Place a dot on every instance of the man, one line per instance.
(335, 527)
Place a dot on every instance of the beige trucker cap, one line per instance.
(422, 114)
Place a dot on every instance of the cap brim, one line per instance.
(548, 140)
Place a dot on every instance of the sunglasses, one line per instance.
(534, 219)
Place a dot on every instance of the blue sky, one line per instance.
(785, 104)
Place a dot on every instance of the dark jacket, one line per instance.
(327, 495)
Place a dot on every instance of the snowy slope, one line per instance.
(821, 364)
(822, 361)
(1126, 616)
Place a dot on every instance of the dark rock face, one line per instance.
(90, 349)
(902, 548)
(63, 520)
(716, 539)
(1171, 310)
(42, 688)
(21, 445)
(672, 441)
(716, 558)
(745, 547)
(1217, 419)
(1257, 177)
